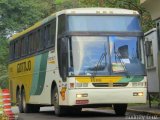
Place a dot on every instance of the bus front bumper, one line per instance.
(106, 96)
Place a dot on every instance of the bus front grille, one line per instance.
(109, 84)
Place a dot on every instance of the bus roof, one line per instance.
(98, 11)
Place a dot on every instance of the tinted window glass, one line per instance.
(53, 32)
(47, 35)
(104, 23)
(61, 24)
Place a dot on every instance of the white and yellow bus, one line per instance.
(77, 58)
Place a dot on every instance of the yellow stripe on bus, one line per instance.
(98, 79)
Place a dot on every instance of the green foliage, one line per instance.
(3, 51)
(58, 1)
(66, 4)
(3, 63)
(19, 14)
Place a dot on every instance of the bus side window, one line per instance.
(34, 41)
(39, 39)
(23, 47)
(14, 50)
(26, 45)
(42, 40)
(47, 36)
(18, 50)
(53, 32)
(30, 39)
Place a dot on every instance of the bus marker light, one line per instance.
(138, 94)
(79, 102)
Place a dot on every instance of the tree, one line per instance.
(3, 62)
(15, 16)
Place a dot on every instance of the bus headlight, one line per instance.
(81, 95)
(138, 94)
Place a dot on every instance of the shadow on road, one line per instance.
(93, 114)
(83, 114)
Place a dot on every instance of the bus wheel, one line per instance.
(59, 110)
(18, 101)
(26, 107)
(120, 109)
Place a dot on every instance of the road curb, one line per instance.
(144, 112)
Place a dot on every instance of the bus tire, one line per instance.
(59, 110)
(26, 107)
(18, 101)
(120, 109)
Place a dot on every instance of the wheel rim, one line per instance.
(56, 102)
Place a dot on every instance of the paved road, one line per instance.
(47, 113)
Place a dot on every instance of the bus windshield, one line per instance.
(99, 23)
(105, 55)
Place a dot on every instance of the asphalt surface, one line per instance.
(47, 113)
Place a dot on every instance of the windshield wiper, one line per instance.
(122, 63)
(98, 64)
(103, 55)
